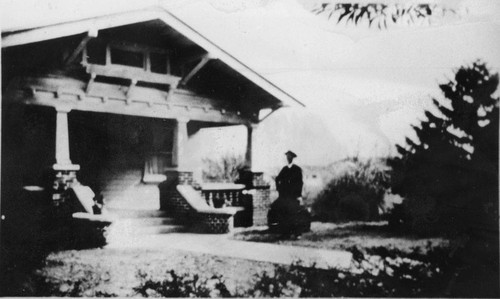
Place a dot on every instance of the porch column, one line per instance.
(65, 171)
(250, 136)
(261, 200)
(170, 199)
(62, 137)
(180, 139)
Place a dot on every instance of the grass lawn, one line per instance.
(363, 235)
(116, 272)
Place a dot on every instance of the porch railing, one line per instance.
(219, 195)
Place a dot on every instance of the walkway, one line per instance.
(221, 245)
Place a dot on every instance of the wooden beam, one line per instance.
(196, 69)
(90, 35)
(191, 56)
(129, 72)
(109, 98)
(114, 106)
(171, 91)
(22, 36)
(91, 81)
(270, 112)
(137, 48)
(133, 83)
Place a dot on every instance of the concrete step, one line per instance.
(121, 179)
(121, 183)
(126, 213)
(146, 222)
(161, 229)
(121, 230)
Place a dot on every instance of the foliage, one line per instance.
(355, 194)
(223, 169)
(453, 167)
(380, 14)
(184, 285)
(85, 285)
(379, 273)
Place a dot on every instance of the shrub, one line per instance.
(222, 169)
(85, 285)
(355, 194)
(380, 273)
(184, 285)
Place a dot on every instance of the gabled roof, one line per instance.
(20, 36)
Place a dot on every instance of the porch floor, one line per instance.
(221, 245)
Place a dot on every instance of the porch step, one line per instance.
(133, 223)
(148, 222)
(122, 189)
(130, 213)
(161, 229)
(121, 230)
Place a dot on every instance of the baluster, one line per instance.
(211, 199)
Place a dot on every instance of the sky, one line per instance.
(365, 85)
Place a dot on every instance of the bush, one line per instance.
(184, 285)
(374, 272)
(223, 169)
(86, 285)
(380, 273)
(355, 194)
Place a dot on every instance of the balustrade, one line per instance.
(219, 195)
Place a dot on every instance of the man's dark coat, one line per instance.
(286, 215)
(289, 182)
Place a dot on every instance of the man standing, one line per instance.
(286, 215)
(289, 180)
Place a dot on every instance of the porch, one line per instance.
(125, 160)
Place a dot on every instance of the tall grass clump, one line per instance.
(355, 193)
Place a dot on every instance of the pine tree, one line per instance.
(455, 160)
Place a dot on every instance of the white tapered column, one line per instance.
(62, 137)
(250, 143)
(180, 140)
(65, 171)
(63, 161)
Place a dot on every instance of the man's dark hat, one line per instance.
(291, 153)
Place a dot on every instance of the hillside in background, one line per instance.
(286, 129)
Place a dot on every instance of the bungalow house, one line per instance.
(112, 102)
